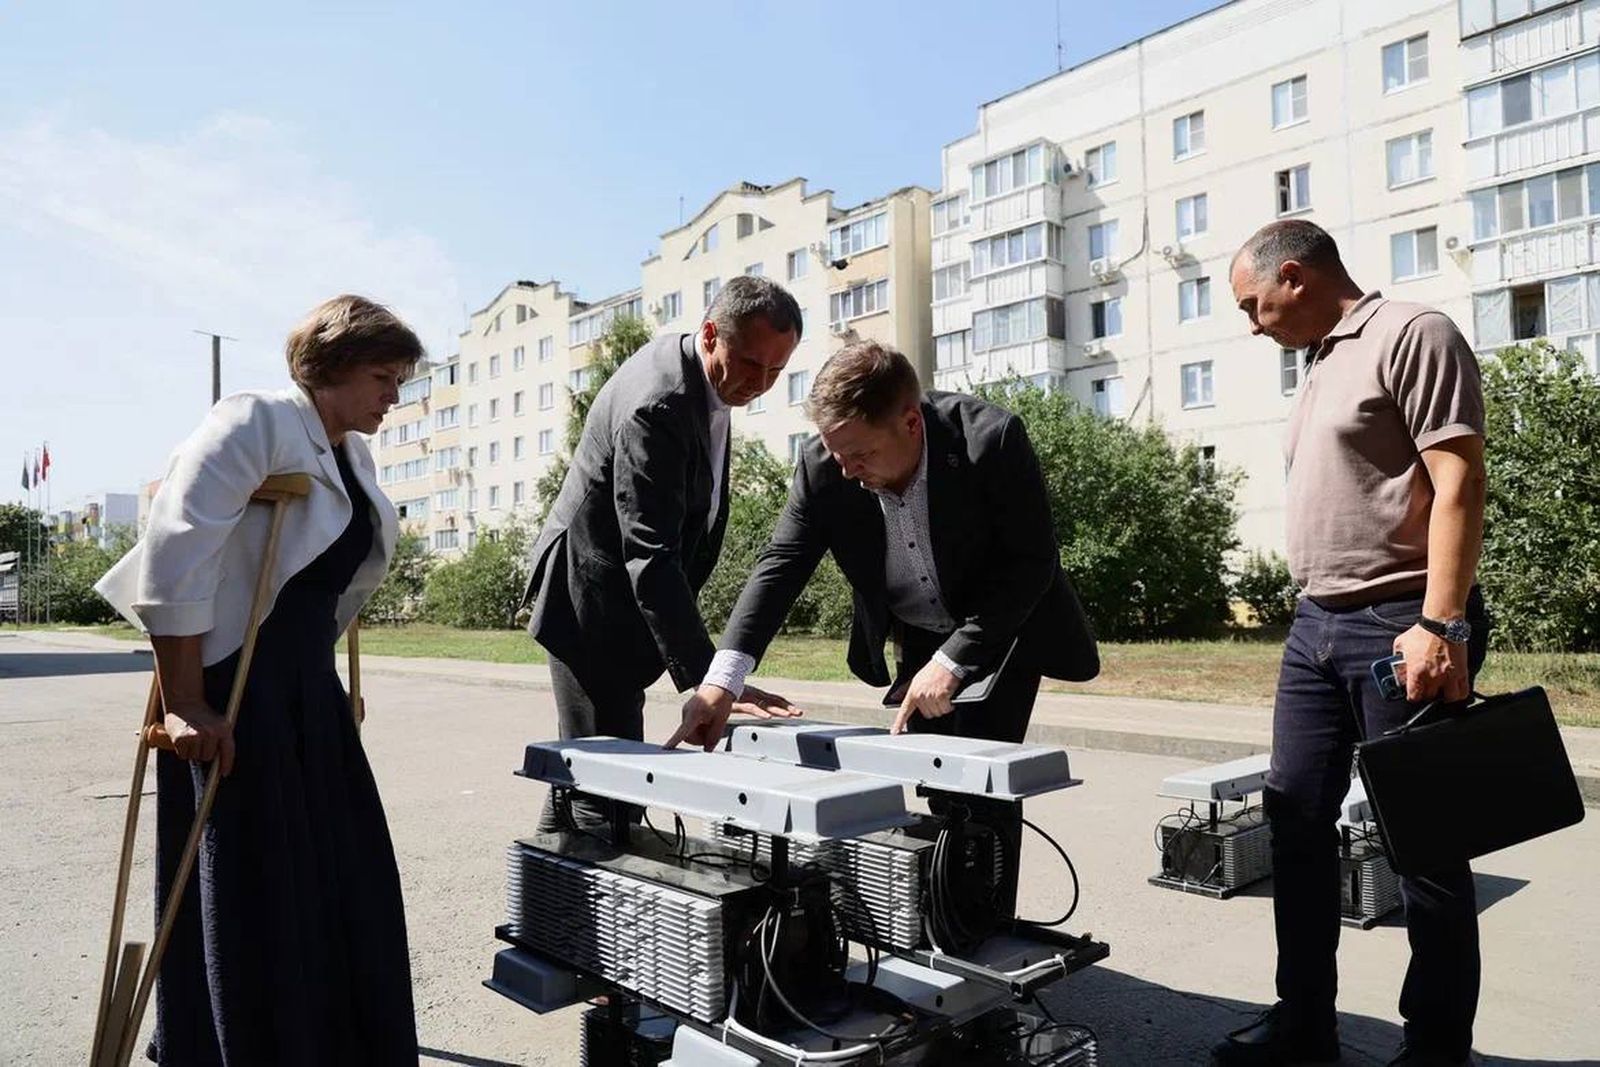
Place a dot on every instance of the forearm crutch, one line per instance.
(117, 1025)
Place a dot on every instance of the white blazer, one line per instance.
(194, 571)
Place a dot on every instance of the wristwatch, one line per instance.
(1456, 631)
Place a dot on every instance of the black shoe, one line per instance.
(1406, 1056)
(1274, 1040)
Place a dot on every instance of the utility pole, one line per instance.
(216, 361)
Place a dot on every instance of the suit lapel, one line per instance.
(946, 480)
(326, 463)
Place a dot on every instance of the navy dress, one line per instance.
(290, 946)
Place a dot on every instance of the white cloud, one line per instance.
(233, 222)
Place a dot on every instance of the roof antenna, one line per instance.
(680, 211)
(1058, 36)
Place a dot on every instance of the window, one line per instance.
(472, 500)
(1194, 299)
(519, 356)
(547, 349)
(494, 453)
(1017, 246)
(519, 447)
(518, 493)
(950, 214)
(1105, 317)
(709, 290)
(952, 350)
(1206, 457)
(447, 500)
(1414, 254)
(1294, 189)
(522, 314)
(547, 396)
(756, 406)
(546, 442)
(416, 389)
(708, 240)
(1030, 320)
(578, 380)
(1197, 384)
(446, 459)
(494, 496)
(795, 263)
(745, 225)
(516, 402)
(1289, 102)
(445, 418)
(1540, 201)
(1108, 397)
(472, 373)
(1516, 100)
(1019, 169)
(494, 409)
(445, 539)
(1291, 368)
(448, 375)
(472, 414)
(472, 457)
(859, 236)
(1100, 164)
(1410, 158)
(1192, 216)
(753, 270)
(797, 444)
(950, 282)
(1188, 135)
(1405, 63)
(799, 386)
(868, 298)
(494, 367)
(1103, 241)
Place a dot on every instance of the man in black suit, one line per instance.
(638, 524)
(935, 509)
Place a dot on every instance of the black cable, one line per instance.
(767, 952)
(1053, 1024)
(1076, 888)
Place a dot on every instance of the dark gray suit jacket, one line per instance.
(993, 545)
(628, 543)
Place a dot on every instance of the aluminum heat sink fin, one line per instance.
(955, 764)
(772, 799)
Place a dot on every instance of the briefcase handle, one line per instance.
(1473, 698)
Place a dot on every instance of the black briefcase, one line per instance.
(1448, 787)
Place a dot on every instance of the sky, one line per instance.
(173, 167)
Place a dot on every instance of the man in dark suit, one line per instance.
(935, 509)
(638, 524)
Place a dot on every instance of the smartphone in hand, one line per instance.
(1388, 683)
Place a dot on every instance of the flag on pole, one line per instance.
(25, 483)
(45, 467)
(37, 478)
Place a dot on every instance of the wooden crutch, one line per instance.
(117, 1025)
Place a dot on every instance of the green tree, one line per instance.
(1541, 561)
(483, 589)
(399, 597)
(1265, 584)
(1144, 525)
(625, 336)
(17, 525)
(67, 584)
(758, 487)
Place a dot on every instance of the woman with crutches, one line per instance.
(288, 946)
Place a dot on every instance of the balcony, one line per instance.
(1021, 360)
(1552, 142)
(1550, 251)
(1006, 212)
(1040, 278)
(1533, 41)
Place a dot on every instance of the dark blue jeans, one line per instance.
(1326, 702)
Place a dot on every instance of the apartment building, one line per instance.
(1530, 74)
(857, 272)
(1083, 235)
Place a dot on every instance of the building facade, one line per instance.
(1087, 247)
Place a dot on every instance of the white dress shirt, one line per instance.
(911, 578)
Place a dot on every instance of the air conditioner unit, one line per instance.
(840, 329)
(655, 309)
(1102, 268)
(1167, 251)
(1452, 243)
(1094, 348)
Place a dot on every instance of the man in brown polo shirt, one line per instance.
(1385, 523)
